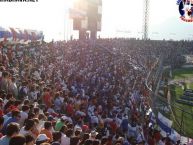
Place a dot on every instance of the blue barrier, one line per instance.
(188, 94)
(185, 102)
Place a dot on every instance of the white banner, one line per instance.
(164, 124)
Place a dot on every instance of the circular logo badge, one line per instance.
(186, 10)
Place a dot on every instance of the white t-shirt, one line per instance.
(161, 142)
(118, 121)
(80, 113)
(24, 116)
(33, 95)
(65, 140)
(94, 119)
(25, 132)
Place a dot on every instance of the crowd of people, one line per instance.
(80, 92)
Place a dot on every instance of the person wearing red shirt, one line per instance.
(69, 108)
(113, 126)
(151, 141)
(157, 136)
(47, 98)
(47, 130)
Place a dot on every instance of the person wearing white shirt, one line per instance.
(13, 87)
(118, 121)
(162, 141)
(24, 114)
(27, 129)
(65, 140)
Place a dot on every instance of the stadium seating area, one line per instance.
(77, 93)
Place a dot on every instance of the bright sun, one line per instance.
(69, 3)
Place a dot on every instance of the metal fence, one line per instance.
(182, 117)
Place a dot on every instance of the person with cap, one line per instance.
(93, 134)
(42, 138)
(47, 130)
(60, 123)
(50, 118)
(85, 128)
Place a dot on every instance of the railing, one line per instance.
(155, 74)
(152, 78)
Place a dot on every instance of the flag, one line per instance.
(5, 35)
(164, 124)
(14, 34)
(25, 35)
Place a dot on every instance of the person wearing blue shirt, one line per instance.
(58, 102)
(15, 116)
(11, 130)
(124, 124)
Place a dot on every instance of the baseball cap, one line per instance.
(50, 118)
(64, 118)
(85, 128)
(78, 128)
(42, 137)
(93, 133)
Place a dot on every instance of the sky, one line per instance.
(120, 18)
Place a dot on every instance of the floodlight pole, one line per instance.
(146, 19)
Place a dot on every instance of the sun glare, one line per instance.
(69, 3)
